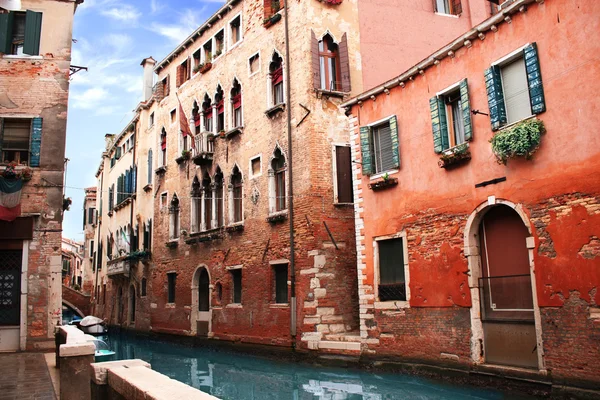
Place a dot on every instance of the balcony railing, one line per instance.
(119, 268)
(205, 147)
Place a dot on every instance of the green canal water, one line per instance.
(233, 376)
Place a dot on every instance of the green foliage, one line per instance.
(520, 140)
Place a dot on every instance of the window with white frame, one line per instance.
(235, 30)
(277, 172)
(451, 117)
(196, 203)
(207, 114)
(151, 120)
(219, 195)
(236, 104)
(219, 43)
(236, 280)
(452, 7)
(379, 146)
(391, 261)
(163, 148)
(174, 227)
(254, 64)
(207, 212)
(237, 214)
(276, 80)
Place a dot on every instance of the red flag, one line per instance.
(184, 125)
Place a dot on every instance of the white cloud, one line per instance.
(123, 13)
(188, 21)
(156, 6)
(89, 99)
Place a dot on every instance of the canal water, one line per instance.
(232, 376)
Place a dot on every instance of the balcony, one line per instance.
(205, 148)
(118, 267)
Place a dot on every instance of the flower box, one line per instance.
(455, 156)
(383, 184)
(277, 217)
(160, 170)
(205, 68)
(232, 132)
(519, 140)
(275, 18)
(171, 244)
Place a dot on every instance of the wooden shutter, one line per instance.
(33, 32)
(493, 84)
(35, 144)
(439, 124)
(178, 76)
(149, 166)
(365, 149)
(466, 109)
(394, 138)
(534, 79)
(344, 64)
(343, 174)
(134, 179)
(316, 65)
(456, 7)
(6, 28)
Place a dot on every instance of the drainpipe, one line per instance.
(291, 176)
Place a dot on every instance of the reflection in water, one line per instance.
(231, 376)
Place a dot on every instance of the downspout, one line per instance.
(291, 179)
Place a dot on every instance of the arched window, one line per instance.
(276, 76)
(208, 198)
(174, 218)
(163, 147)
(149, 166)
(219, 198)
(220, 106)
(196, 118)
(236, 183)
(207, 113)
(236, 104)
(196, 195)
(279, 166)
(329, 62)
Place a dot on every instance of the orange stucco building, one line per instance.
(470, 255)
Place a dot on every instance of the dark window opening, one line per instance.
(392, 282)
(15, 137)
(236, 277)
(383, 150)
(254, 63)
(196, 205)
(281, 286)
(276, 74)
(279, 166)
(236, 32)
(219, 198)
(220, 106)
(143, 288)
(171, 278)
(236, 182)
(236, 102)
(208, 52)
(207, 112)
(207, 188)
(163, 147)
(219, 43)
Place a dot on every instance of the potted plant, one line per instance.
(186, 154)
(520, 140)
(455, 156)
(26, 174)
(218, 53)
(206, 66)
(222, 134)
(197, 68)
(385, 182)
(9, 172)
(67, 203)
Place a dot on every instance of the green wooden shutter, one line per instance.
(35, 144)
(534, 79)
(33, 32)
(493, 84)
(466, 109)
(6, 28)
(365, 149)
(394, 133)
(439, 124)
(1, 137)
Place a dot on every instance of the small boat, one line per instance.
(103, 352)
(93, 325)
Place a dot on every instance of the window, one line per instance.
(452, 7)
(171, 278)
(208, 199)
(196, 59)
(196, 119)
(183, 72)
(235, 30)
(219, 198)
(276, 77)
(280, 272)
(207, 113)
(143, 288)
(254, 64)
(208, 51)
(343, 175)
(451, 117)
(220, 106)
(174, 219)
(329, 64)
(111, 197)
(514, 87)
(20, 140)
(236, 104)
(279, 167)
(196, 194)
(173, 116)
(20, 33)
(379, 147)
(163, 148)
(151, 120)
(163, 200)
(236, 277)
(237, 192)
(91, 215)
(255, 166)
(91, 247)
(165, 86)
(149, 178)
(391, 262)
(219, 43)
(272, 7)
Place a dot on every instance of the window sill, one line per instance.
(204, 236)
(171, 244)
(455, 156)
(148, 187)
(447, 15)
(508, 126)
(160, 170)
(381, 174)
(237, 227)
(271, 112)
(391, 305)
(234, 305)
(272, 20)
(278, 216)
(170, 305)
(236, 44)
(279, 305)
(179, 160)
(123, 203)
(343, 204)
(383, 184)
(330, 93)
(235, 131)
(22, 57)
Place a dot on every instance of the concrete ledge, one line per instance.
(352, 346)
(143, 383)
(99, 371)
(77, 343)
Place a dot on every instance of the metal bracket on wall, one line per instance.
(491, 182)
(305, 116)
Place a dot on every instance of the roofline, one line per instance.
(197, 33)
(446, 51)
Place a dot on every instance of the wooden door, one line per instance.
(10, 299)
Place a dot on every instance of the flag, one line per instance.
(125, 237)
(184, 125)
(10, 198)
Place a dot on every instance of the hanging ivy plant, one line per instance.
(521, 140)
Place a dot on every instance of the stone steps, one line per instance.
(339, 345)
(343, 337)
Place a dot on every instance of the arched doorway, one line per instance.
(131, 305)
(201, 306)
(504, 314)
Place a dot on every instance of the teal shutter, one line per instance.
(6, 28)
(534, 79)
(35, 144)
(118, 152)
(33, 32)
(493, 84)
(466, 109)
(439, 124)
(365, 149)
(394, 133)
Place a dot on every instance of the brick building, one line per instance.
(490, 261)
(90, 220)
(35, 54)
(72, 263)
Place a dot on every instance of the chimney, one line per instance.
(109, 138)
(148, 64)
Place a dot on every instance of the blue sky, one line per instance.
(113, 36)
